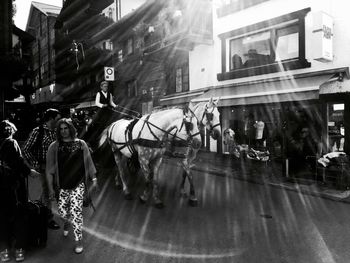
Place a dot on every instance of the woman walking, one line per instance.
(69, 160)
(13, 194)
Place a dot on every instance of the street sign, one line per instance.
(109, 73)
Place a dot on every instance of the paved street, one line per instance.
(236, 221)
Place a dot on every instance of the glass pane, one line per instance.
(178, 80)
(287, 44)
(336, 130)
(250, 51)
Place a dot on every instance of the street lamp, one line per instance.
(75, 49)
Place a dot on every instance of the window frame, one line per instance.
(289, 64)
(129, 44)
(184, 72)
(235, 6)
(132, 88)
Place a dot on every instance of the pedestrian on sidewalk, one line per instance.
(70, 163)
(34, 151)
(13, 195)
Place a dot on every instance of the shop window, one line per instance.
(336, 130)
(267, 47)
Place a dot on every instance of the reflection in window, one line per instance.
(274, 45)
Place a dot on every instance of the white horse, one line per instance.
(146, 138)
(208, 117)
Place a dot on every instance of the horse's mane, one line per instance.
(197, 105)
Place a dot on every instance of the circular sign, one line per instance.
(109, 71)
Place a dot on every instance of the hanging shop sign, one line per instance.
(323, 37)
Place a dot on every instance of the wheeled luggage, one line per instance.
(37, 215)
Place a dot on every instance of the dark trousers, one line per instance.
(45, 192)
(12, 220)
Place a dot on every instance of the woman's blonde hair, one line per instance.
(71, 128)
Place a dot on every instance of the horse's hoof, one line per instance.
(193, 202)
(128, 196)
(142, 201)
(159, 205)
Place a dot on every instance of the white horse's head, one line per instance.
(208, 115)
(176, 124)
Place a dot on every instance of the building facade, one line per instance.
(79, 63)
(283, 63)
(40, 25)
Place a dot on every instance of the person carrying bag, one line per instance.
(13, 196)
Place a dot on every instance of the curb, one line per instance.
(295, 187)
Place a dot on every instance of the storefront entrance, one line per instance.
(335, 127)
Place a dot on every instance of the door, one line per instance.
(335, 126)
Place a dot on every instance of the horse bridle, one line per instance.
(209, 116)
(187, 122)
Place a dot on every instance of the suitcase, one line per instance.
(37, 214)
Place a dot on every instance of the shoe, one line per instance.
(53, 225)
(19, 254)
(5, 255)
(66, 229)
(78, 247)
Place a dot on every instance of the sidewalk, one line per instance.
(269, 173)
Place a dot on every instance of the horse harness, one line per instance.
(208, 115)
(157, 143)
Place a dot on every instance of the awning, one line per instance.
(267, 92)
(86, 104)
(335, 86)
